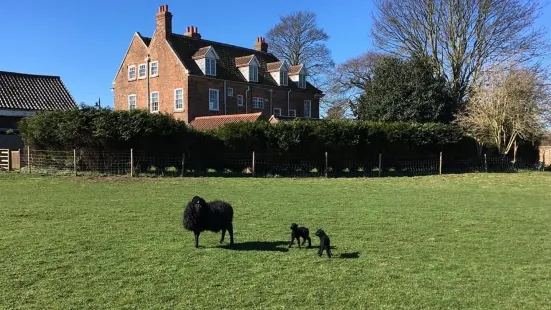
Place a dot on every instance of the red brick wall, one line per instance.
(171, 76)
(199, 98)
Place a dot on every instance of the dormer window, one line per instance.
(206, 59)
(253, 73)
(249, 67)
(302, 80)
(279, 72)
(298, 75)
(210, 66)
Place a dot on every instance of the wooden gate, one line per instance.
(4, 159)
(15, 160)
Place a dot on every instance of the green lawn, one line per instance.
(480, 241)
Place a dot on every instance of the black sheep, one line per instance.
(213, 216)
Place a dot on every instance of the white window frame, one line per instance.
(130, 108)
(211, 102)
(230, 92)
(258, 103)
(283, 78)
(302, 81)
(140, 66)
(277, 113)
(239, 100)
(309, 103)
(176, 108)
(153, 102)
(294, 113)
(253, 73)
(129, 73)
(208, 67)
(151, 68)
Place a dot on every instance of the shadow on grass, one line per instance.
(350, 255)
(269, 246)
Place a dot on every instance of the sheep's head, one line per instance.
(198, 203)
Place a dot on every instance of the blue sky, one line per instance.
(84, 42)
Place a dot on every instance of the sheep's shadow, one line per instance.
(350, 255)
(269, 246)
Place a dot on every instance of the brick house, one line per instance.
(188, 77)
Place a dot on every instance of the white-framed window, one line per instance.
(277, 111)
(258, 103)
(154, 68)
(293, 113)
(131, 72)
(307, 108)
(253, 73)
(240, 100)
(230, 92)
(213, 99)
(131, 102)
(302, 81)
(210, 66)
(283, 78)
(142, 71)
(179, 99)
(155, 101)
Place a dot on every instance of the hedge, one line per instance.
(96, 130)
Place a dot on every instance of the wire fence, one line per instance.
(85, 162)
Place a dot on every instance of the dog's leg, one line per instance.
(223, 235)
(292, 240)
(320, 251)
(298, 241)
(309, 242)
(230, 231)
(328, 251)
(197, 233)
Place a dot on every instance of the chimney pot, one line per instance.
(261, 44)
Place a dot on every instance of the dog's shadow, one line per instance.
(268, 246)
(350, 255)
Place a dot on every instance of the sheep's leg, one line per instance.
(223, 235)
(230, 230)
(197, 233)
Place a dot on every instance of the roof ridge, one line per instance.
(30, 74)
(226, 44)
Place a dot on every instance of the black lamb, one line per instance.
(213, 216)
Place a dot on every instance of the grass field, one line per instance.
(480, 241)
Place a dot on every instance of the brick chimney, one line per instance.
(164, 21)
(191, 32)
(261, 44)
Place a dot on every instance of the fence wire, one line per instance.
(85, 162)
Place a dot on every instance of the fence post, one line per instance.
(254, 161)
(380, 164)
(75, 161)
(29, 158)
(326, 164)
(131, 162)
(543, 168)
(440, 166)
(485, 163)
(183, 163)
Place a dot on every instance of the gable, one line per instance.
(136, 39)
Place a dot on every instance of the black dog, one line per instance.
(297, 233)
(213, 216)
(324, 242)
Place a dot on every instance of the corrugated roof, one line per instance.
(215, 121)
(33, 92)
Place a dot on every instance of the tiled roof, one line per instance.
(201, 52)
(187, 47)
(276, 119)
(274, 66)
(295, 69)
(211, 122)
(33, 92)
(243, 60)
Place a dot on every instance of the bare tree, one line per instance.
(462, 36)
(298, 39)
(508, 104)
